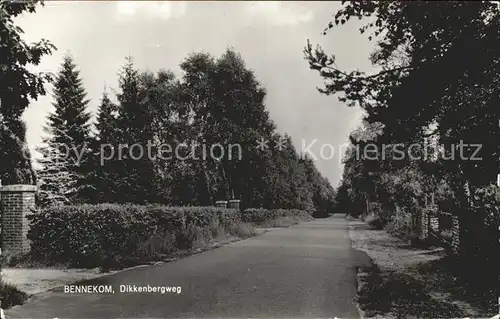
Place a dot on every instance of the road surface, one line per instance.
(305, 271)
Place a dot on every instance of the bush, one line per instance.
(481, 244)
(391, 228)
(11, 296)
(375, 208)
(242, 230)
(374, 222)
(112, 235)
(116, 236)
(261, 216)
(400, 226)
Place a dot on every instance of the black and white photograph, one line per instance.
(249, 159)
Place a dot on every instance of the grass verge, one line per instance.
(283, 222)
(407, 282)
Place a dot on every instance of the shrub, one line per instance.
(481, 223)
(242, 230)
(115, 236)
(261, 216)
(391, 228)
(374, 222)
(400, 225)
(11, 296)
(375, 208)
(112, 235)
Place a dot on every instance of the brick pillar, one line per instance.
(234, 203)
(424, 224)
(17, 202)
(455, 236)
(221, 203)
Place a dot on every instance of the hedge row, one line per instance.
(259, 215)
(114, 236)
(97, 235)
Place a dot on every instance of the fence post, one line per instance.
(234, 203)
(424, 224)
(455, 236)
(221, 203)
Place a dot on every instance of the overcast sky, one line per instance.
(269, 35)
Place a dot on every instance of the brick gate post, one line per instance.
(17, 202)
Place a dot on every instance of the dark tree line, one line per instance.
(213, 101)
(438, 88)
(120, 156)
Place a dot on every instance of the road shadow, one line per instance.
(400, 295)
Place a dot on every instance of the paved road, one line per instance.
(307, 271)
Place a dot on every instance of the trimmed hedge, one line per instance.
(112, 235)
(260, 215)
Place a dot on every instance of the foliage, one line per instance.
(19, 85)
(374, 221)
(93, 235)
(259, 216)
(323, 194)
(57, 184)
(216, 102)
(62, 176)
(413, 45)
(101, 176)
(481, 226)
(11, 296)
(436, 86)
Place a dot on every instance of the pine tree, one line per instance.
(70, 121)
(69, 130)
(102, 177)
(56, 182)
(134, 127)
(106, 120)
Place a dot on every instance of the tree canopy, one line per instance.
(438, 81)
(17, 86)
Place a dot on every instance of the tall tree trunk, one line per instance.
(227, 182)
